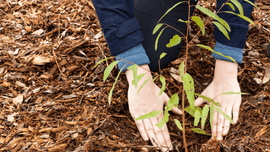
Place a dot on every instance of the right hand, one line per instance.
(146, 101)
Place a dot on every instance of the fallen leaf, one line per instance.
(258, 81)
(175, 74)
(42, 60)
(28, 28)
(38, 33)
(18, 99)
(267, 75)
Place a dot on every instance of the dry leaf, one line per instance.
(258, 81)
(42, 60)
(39, 33)
(267, 75)
(18, 99)
(175, 74)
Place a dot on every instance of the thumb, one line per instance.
(199, 101)
(174, 109)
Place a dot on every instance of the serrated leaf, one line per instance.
(178, 124)
(232, 93)
(149, 115)
(214, 16)
(157, 27)
(208, 99)
(164, 120)
(251, 3)
(199, 22)
(231, 5)
(174, 41)
(241, 16)
(188, 84)
(197, 117)
(156, 43)
(210, 49)
(182, 69)
(199, 131)
(170, 10)
(204, 115)
(111, 91)
(222, 29)
(162, 80)
(162, 55)
(109, 69)
(238, 5)
(224, 114)
(101, 61)
(143, 84)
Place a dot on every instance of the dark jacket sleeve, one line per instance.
(122, 31)
(239, 27)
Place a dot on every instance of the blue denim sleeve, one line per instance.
(121, 29)
(239, 28)
(134, 55)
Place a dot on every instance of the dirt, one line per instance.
(51, 98)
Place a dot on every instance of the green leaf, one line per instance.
(134, 71)
(143, 84)
(211, 115)
(109, 69)
(214, 16)
(251, 3)
(156, 43)
(199, 22)
(178, 124)
(180, 20)
(222, 29)
(149, 115)
(204, 115)
(188, 84)
(139, 77)
(224, 114)
(111, 91)
(210, 49)
(155, 78)
(199, 131)
(182, 69)
(170, 10)
(157, 27)
(208, 99)
(232, 93)
(190, 111)
(197, 117)
(162, 55)
(242, 16)
(162, 80)
(231, 5)
(101, 61)
(173, 102)
(174, 41)
(164, 120)
(238, 5)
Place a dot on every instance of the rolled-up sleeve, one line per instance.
(121, 29)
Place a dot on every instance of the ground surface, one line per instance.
(52, 100)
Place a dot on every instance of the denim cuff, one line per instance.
(234, 52)
(134, 55)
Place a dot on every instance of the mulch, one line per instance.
(51, 98)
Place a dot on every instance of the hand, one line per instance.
(225, 80)
(146, 101)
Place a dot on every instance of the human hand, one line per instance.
(146, 101)
(225, 80)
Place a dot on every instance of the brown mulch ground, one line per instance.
(52, 100)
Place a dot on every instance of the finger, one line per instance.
(199, 101)
(164, 145)
(227, 123)
(220, 122)
(166, 135)
(174, 109)
(150, 132)
(141, 128)
(214, 123)
(236, 112)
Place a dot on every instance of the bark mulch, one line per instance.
(52, 100)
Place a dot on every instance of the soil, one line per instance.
(51, 98)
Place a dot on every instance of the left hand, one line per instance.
(225, 80)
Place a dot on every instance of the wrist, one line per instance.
(225, 70)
